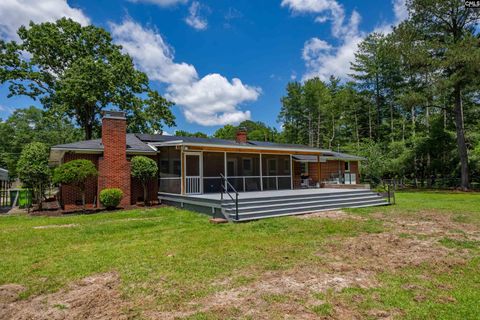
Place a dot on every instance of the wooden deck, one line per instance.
(265, 204)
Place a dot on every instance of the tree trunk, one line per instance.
(39, 198)
(145, 194)
(377, 102)
(461, 144)
(429, 171)
(370, 121)
(83, 200)
(391, 122)
(333, 134)
(356, 131)
(88, 131)
(318, 129)
(310, 131)
(414, 143)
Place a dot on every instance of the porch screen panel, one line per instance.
(276, 172)
(170, 170)
(243, 171)
(213, 166)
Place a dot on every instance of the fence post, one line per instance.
(388, 192)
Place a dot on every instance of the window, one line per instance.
(304, 168)
(286, 166)
(347, 166)
(247, 166)
(272, 167)
(232, 167)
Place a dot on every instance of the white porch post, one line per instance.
(225, 166)
(291, 172)
(261, 177)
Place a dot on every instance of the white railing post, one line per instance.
(226, 170)
(261, 173)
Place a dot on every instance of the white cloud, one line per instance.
(330, 10)
(162, 3)
(323, 59)
(211, 100)
(335, 61)
(400, 10)
(15, 13)
(6, 109)
(151, 53)
(194, 19)
(400, 13)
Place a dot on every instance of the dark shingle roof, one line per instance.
(139, 143)
(133, 144)
(216, 141)
(163, 138)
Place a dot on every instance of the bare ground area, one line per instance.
(94, 297)
(287, 294)
(352, 262)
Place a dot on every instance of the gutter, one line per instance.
(240, 146)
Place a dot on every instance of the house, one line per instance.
(3, 174)
(193, 171)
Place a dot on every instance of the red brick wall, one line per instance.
(326, 170)
(296, 174)
(70, 195)
(330, 167)
(114, 169)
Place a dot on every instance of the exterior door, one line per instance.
(193, 173)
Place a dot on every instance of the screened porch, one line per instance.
(202, 169)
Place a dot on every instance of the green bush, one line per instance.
(75, 173)
(110, 198)
(144, 169)
(33, 170)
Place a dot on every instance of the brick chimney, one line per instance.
(113, 167)
(241, 135)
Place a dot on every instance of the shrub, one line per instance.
(33, 170)
(110, 198)
(75, 173)
(143, 169)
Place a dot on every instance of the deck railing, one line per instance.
(225, 185)
(193, 184)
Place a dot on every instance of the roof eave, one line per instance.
(239, 146)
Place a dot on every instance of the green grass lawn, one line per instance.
(176, 256)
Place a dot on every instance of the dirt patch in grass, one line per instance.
(94, 297)
(287, 293)
(345, 263)
(52, 226)
(331, 214)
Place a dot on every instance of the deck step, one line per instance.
(359, 192)
(311, 208)
(267, 207)
(301, 200)
(249, 218)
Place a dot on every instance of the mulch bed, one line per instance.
(89, 210)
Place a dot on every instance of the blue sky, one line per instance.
(220, 61)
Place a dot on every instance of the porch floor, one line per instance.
(274, 193)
